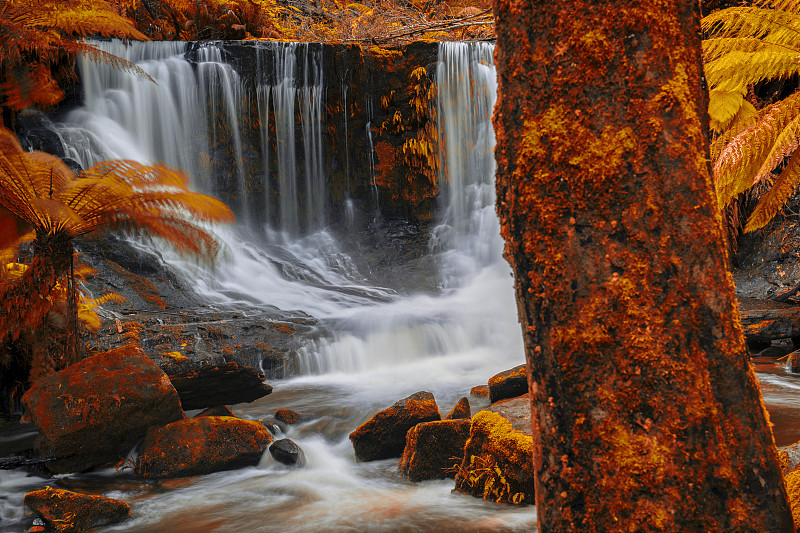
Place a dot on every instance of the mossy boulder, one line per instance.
(508, 384)
(434, 449)
(65, 511)
(201, 446)
(92, 413)
(384, 435)
(460, 410)
(498, 461)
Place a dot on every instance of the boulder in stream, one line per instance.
(227, 383)
(285, 451)
(93, 412)
(201, 446)
(219, 410)
(289, 417)
(384, 435)
(434, 449)
(497, 464)
(508, 384)
(67, 512)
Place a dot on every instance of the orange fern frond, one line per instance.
(773, 200)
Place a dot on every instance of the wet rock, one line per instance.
(434, 449)
(789, 457)
(755, 346)
(479, 391)
(515, 410)
(497, 463)
(65, 511)
(384, 435)
(289, 417)
(227, 383)
(775, 352)
(219, 410)
(287, 452)
(93, 412)
(793, 362)
(459, 410)
(767, 320)
(508, 384)
(201, 446)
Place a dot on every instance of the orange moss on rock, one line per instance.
(496, 465)
(640, 380)
(434, 449)
(70, 512)
(460, 410)
(93, 412)
(384, 435)
(201, 446)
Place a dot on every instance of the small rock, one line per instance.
(201, 446)
(789, 457)
(508, 384)
(793, 362)
(434, 449)
(479, 391)
(384, 435)
(287, 452)
(65, 511)
(92, 413)
(219, 410)
(460, 410)
(288, 417)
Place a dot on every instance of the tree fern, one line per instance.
(745, 46)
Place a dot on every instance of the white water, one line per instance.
(385, 343)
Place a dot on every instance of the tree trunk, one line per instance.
(646, 411)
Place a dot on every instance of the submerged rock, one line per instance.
(227, 383)
(65, 511)
(93, 412)
(384, 435)
(201, 446)
(434, 449)
(460, 410)
(287, 452)
(479, 391)
(508, 384)
(497, 463)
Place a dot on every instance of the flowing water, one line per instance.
(386, 341)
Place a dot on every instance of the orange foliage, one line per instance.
(39, 35)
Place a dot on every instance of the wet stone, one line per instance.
(508, 384)
(285, 451)
(459, 410)
(66, 511)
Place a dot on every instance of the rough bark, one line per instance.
(645, 409)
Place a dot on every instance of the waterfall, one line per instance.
(467, 90)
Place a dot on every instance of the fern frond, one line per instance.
(743, 156)
(737, 69)
(774, 199)
(723, 106)
(773, 25)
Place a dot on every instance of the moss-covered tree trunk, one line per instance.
(646, 411)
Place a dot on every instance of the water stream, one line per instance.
(387, 340)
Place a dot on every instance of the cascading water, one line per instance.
(383, 343)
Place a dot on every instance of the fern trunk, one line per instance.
(646, 412)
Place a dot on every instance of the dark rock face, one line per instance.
(384, 435)
(460, 410)
(67, 512)
(208, 386)
(508, 384)
(287, 452)
(93, 412)
(201, 446)
(434, 449)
